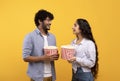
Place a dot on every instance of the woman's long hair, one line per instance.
(87, 33)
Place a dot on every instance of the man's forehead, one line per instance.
(47, 18)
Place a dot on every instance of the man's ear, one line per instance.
(39, 22)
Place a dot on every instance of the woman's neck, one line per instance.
(79, 38)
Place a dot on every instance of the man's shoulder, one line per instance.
(30, 34)
(51, 34)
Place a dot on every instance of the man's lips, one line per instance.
(48, 26)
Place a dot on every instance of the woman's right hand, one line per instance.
(72, 59)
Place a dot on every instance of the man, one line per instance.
(41, 66)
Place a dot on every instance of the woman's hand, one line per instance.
(72, 59)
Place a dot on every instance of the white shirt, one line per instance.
(85, 55)
(47, 65)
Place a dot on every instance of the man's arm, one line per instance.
(41, 58)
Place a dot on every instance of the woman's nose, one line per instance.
(73, 27)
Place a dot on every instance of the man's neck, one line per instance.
(42, 30)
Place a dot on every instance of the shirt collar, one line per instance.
(82, 42)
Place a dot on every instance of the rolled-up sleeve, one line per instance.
(89, 60)
(27, 46)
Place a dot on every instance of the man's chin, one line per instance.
(48, 28)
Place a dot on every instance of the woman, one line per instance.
(85, 62)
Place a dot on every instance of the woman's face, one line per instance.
(76, 29)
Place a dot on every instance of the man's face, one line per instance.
(46, 24)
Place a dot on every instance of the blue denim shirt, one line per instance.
(33, 46)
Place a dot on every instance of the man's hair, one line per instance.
(42, 15)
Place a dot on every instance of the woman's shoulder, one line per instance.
(89, 42)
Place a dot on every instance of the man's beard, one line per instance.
(46, 27)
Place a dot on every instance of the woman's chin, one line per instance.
(74, 32)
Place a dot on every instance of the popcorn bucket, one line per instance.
(67, 52)
(50, 50)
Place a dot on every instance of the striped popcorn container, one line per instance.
(67, 52)
(50, 50)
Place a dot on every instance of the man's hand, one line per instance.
(51, 57)
(54, 57)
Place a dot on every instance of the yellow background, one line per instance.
(17, 19)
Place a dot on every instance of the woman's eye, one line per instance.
(75, 25)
